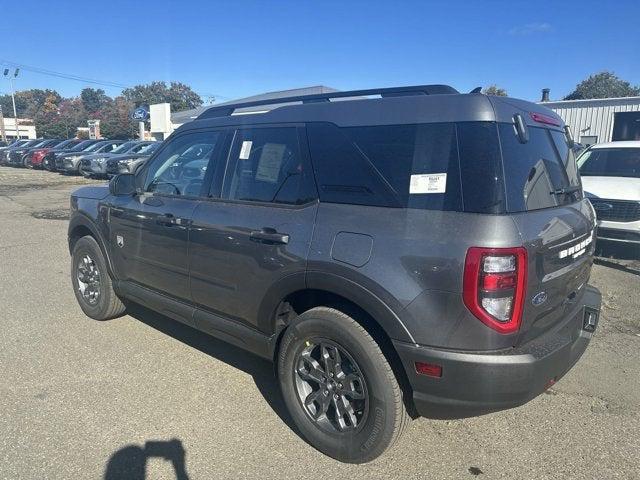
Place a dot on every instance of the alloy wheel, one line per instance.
(331, 386)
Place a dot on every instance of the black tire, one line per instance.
(97, 300)
(380, 419)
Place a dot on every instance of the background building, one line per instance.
(26, 129)
(599, 120)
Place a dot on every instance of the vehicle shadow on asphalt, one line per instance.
(260, 369)
(130, 462)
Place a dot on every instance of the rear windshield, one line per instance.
(540, 173)
(610, 162)
(443, 166)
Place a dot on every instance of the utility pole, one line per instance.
(3, 135)
(13, 98)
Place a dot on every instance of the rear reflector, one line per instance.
(429, 369)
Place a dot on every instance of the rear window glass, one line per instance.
(535, 173)
(611, 162)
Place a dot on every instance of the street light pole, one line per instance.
(13, 98)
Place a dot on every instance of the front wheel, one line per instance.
(339, 387)
(91, 281)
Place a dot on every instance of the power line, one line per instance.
(93, 81)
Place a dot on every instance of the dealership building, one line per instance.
(599, 120)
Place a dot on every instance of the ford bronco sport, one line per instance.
(398, 252)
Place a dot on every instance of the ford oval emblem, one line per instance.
(539, 299)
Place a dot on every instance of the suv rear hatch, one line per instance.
(556, 223)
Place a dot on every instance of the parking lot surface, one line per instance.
(116, 399)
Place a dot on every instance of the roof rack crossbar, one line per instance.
(226, 110)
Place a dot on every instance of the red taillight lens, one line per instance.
(494, 286)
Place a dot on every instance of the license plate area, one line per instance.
(590, 319)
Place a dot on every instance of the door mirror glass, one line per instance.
(123, 185)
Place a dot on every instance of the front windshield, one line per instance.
(610, 162)
(94, 147)
(82, 145)
(149, 149)
(125, 147)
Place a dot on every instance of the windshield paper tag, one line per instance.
(428, 183)
(245, 151)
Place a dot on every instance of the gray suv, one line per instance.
(396, 252)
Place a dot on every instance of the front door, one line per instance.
(150, 231)
(244, 245)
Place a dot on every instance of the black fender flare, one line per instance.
(80, 219)
(374, 306)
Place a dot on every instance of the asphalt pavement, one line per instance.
(145, 397)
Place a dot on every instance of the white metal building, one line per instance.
(600, 120)
(26, 129)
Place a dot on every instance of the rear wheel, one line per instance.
(339, 387)
(91, 281)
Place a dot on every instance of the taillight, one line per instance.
(494, 286)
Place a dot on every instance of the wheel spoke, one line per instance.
(317, 403)
(345, 415)
(331, 358)
(352, 387)
(310, 370)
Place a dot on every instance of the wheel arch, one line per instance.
(80, 226)
(380, 328)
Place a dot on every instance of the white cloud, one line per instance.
(531, 28)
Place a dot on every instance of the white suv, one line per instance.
(611, 180)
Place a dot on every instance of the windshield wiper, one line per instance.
(564, 190)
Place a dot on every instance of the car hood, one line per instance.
(94, 192)
(614, 188)
(92, 156)
(126, 156)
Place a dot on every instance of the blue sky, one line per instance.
(238, 48)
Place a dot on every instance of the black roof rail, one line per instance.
(228, 109)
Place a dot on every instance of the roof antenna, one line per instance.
(476, 90)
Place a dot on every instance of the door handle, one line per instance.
(168, 220)
(269, 236)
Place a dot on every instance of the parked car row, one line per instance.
(101, 158)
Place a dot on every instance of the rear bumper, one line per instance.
(474, 383)
(624, 232)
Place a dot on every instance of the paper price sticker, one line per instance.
(428, 183)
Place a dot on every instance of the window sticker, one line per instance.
(428, 183)
(270, 162)
(245, 151)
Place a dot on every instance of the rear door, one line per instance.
(256, 237)
(544, 197)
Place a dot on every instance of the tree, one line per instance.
(179, 95)
(603, 85)
(115, 121)
(93, 99)
(495, 90)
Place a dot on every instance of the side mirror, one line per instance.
(123, 185)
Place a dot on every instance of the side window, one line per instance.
(180, 167)
(387, 166)
(266, 165)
